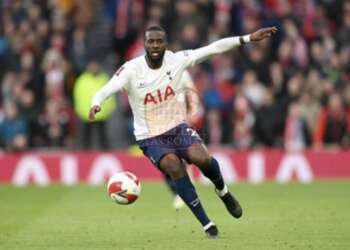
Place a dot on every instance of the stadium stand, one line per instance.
(292, 91)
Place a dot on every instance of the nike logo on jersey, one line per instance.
(142, 85)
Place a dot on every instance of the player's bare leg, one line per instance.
(199, 155)
(173, 166)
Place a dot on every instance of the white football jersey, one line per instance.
(157, 96)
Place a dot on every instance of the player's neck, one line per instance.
(154, 64)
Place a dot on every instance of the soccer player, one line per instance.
(155, 92)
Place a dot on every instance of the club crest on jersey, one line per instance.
(159, 97)
(169, 75)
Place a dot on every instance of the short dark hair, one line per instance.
(155, 28)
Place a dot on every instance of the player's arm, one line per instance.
(115, 84)
(226, 44)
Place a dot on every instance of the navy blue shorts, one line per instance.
(176, 140)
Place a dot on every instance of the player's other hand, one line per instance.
(93, 111)
(262, 34)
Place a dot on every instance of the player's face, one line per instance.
(155, 44)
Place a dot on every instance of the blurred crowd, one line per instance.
(291, 91)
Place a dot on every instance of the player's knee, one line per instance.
(176, 171)
(172, 166)
(204, 161)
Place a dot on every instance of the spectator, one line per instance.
(243, 123)
(213, 128)
(344, 32)
(78, 50)
(296, 133)
(285, 57)
(309, 109)
(13, 129)
(54, 125)
(256, 62)
(276, 79)
(187, 12)
(293, 90)
(332, 125)
(84, 88)
(267, 126)
(253, 89)
(26, 106)
(55, 68)
(300, 50)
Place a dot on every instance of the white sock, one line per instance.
(222, 192)
(208, 225)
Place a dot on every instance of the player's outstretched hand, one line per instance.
(262, 34)
(93, 111)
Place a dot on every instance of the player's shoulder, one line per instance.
(134, 64)
(169, 54)
(176, 56)
(183, 54)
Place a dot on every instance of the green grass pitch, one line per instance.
(292, 216)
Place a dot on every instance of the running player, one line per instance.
(156, 96)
